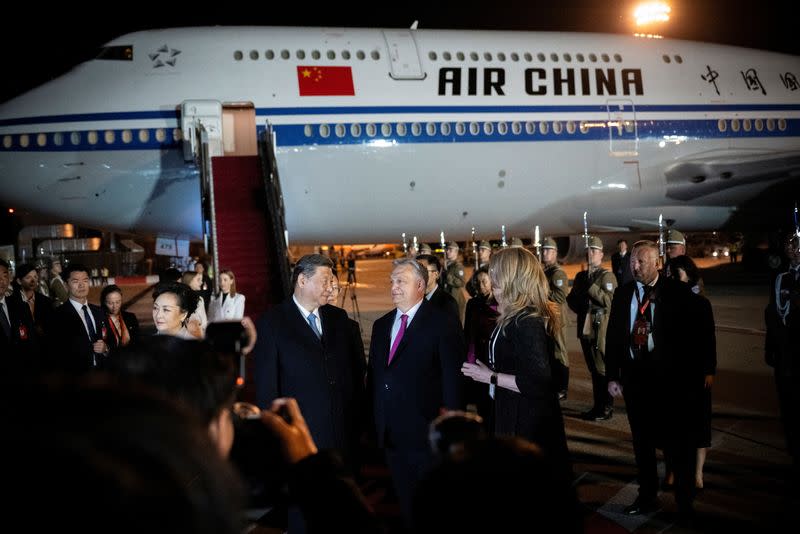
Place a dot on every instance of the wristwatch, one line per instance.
(493, 379)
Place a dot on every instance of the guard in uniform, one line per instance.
(484, 254)
(590, 298)
(782, 345)
(559, 282)
(454, 278)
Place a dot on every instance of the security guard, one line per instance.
(425, 249)
(454, 278)
(516, 242)
(590, 298)
(558, 281)
(484, 254)
(676, 244)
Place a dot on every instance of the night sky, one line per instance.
(59, 38)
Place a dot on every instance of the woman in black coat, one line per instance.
(521, 355)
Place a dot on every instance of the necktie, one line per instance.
(399, 336)
(89, 324)
(4, 320)
(312, 322)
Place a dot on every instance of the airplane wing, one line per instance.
(718, 170)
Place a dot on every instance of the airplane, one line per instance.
(384, 131)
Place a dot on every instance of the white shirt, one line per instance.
(79, 308)
(396, 326)
(5, 308)
(304, 312)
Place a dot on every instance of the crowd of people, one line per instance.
(495, 365)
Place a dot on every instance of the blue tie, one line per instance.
(312, 322)
(89, 324)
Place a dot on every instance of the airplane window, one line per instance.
(307, 130)
(584, 127)
(430, 128)
(541, 57)
(502, 128)
(628, 126)
(24, 140)
(516, 127)
(7, 141)
(460, 128)
(735, 125)
(300, 54)
(92, 137)
(285, 54)
(432, 55)
(722, 125)
(593, 58)
(771, 125)
(345, 54)
(501, 56)
(473, 56)
(315, 54)
(372, 130)
(567, 58)
(666, 58)
(488, 128)
(41, 139)
(177, 134)
(487, 56)
(570, 127)
(530, 127)
(678, 59)
(75, 138)
(331, 54)
(528, 57)
(416, 129)
(447, 56)
(116, 53)
(782, 125)
(253, 54)
(58, 138)
(580, 58)
(747, 125)
(109, 136)
(514, 56)
(144, 135)
(324, 130)
(238, 55)
(605, 58)
(161, 135)
(553, 56)
(375, 55)
(360, 54)
(759, 125)
(386, 129)
(269, 54)
(445, 128)
(544, 127)
(340, 130)
(557, 127)
(460, 56)
(401, 129)
(618, 58)
(355, 130)
(474, 128)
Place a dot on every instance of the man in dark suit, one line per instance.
(415, 358)
(621, 263)
(77, 338)
(435, 293)
(655, 340)
(306, 350)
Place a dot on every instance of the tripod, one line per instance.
(351, 279)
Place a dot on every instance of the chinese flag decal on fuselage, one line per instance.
(325, 81)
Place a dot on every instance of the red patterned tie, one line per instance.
(399, 336)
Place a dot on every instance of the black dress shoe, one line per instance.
(562, 395)
(641, 506)
(603, 415)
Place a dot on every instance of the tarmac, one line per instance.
(747, 472)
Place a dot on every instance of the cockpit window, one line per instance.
(116, 53)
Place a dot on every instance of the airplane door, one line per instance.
(403, 54)
(622, 130)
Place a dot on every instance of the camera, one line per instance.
(227, 336)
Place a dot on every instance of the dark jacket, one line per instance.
(70, 347)
(444, 301)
